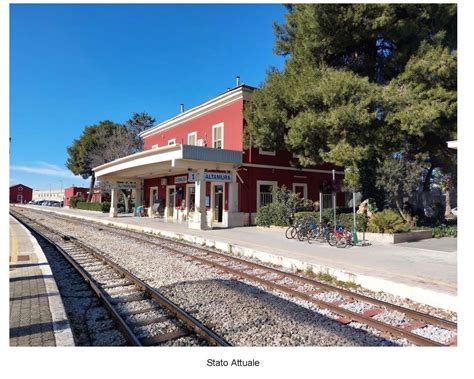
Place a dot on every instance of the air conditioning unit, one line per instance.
(200, 142)
(164, 181)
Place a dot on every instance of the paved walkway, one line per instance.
(37, 315)
(428, 268)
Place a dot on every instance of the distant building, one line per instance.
(82, 193)
(20, 194)
(51, 194)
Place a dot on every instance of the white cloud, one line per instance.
(44, 168)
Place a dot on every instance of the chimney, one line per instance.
(237, 80)
(182, 108)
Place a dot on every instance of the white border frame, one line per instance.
(265, 182)
(219, 125)
(305, 191)
(172, 140)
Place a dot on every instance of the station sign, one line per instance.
(126, 186)
(193, 176)
(180, 179)
(210, 176)
(217, 177)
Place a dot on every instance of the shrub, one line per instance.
(283, 209)
(99, 207)
(444, 230)
(386, 221)
(273, 214)
(73, 202)
(106, 206)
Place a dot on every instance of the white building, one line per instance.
(53, 194)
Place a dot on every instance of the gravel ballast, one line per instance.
(241, 311)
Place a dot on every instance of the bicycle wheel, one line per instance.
(332, 239)
(313, 235)
(290, 232)
(341, 243)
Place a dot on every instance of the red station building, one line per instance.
(194, 167)
(20, 194)
(80, 192)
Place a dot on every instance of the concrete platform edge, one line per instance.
(418, 294)
(63, 335)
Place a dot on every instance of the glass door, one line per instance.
(218, 202)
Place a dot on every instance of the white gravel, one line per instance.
(243, 312)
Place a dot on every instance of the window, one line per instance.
(154, 146)
(192, 138)
(265, 192)
(218, 136)
(172, 142)
(266, 152)
(301, 189)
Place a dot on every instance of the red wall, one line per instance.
(20, 189)
(250, 175)
(72, 191)
(230, 115)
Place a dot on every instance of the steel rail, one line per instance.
(119, 321)
(433, 320)
(334, 308)
(188, 320)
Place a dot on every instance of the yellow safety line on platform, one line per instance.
(13, 247)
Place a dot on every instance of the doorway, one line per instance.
(190, 199)
(170, 201)
(217, 202)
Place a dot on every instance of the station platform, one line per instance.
(423, 271)
(37, 314)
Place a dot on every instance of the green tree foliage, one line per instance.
(399, 177)
(81, 152)
(138, 123)
(361, 82)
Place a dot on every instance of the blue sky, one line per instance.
(74, 65)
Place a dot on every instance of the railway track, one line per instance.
(303, 288)
(116, 287)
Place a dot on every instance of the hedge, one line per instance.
(99, 207)
(445, 231)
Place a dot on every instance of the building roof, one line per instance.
(19, 184)
(223, 99)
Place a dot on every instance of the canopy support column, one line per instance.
(199, 220)
(114, 200)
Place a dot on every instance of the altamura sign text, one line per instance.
(211, 177)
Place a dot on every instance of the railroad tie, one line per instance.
(159, 339)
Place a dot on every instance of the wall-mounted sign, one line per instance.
(164, 181)
(217, 177)
(193, 176)
(180, 179)
(210, 176)
(126, 186)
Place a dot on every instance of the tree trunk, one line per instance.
(447, 209)
(400, 210)
(426, 194)
(91, 188)
(126, 201)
